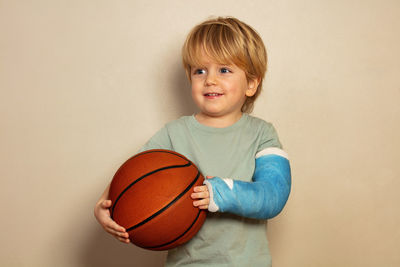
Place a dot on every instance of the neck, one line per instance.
(217, 121)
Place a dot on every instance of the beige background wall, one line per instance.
(83, 84)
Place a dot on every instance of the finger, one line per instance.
(209, 177)
(200, 188)
(201, 202)
(123, 240)
(114, 226)
(117, 234)
(123, 235)
(106, 204)
(200, 195)
(202, 206)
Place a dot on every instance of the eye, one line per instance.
(198, 71)
(225, 70)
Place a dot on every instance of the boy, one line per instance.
(225, 61)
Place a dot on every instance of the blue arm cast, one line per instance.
(263, 198)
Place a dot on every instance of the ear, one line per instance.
(252, 86)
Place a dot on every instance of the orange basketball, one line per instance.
(150, 196)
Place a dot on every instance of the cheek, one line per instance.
(196, 93)
(196, 87)
(238, 89)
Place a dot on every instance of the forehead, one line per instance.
(203, 56)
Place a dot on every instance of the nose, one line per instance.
(211, 79)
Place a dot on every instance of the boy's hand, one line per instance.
(201, 196)
(102, 214)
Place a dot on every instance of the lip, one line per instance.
(212, 95)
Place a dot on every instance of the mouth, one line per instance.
(212, 94)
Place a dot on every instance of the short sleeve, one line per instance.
(160, 140)
(269, 137)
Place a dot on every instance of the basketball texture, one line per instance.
(150, 196)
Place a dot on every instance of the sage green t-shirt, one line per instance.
(224, 239)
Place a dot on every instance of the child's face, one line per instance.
(220, 90)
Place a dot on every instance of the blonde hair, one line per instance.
(228, 40)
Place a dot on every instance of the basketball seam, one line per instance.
(165, 207)
(187, 230)
(159, 150)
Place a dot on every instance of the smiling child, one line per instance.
(248, 173)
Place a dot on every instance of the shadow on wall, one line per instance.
(103, 250)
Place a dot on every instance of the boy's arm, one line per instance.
(264, 197)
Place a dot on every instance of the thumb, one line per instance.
(106, 204)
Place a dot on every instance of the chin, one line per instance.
(212, 113)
